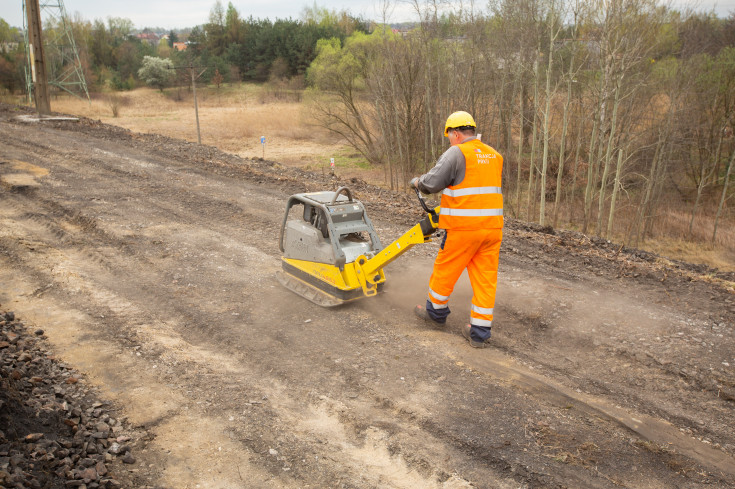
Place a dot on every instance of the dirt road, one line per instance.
(150, 263)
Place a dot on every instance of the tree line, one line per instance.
(610, 114)
(235, 48)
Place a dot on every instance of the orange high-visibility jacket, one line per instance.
(477, 201)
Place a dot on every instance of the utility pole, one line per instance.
(194, 77)
(38, 65)
(196, 104)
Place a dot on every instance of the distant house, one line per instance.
(8, 47)
(402, 31)
(149, 37)
(180, 46)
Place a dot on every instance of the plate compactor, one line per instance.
(331, 252)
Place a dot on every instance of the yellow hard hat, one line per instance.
(458, 119)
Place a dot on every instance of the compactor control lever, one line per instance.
(431, 221)
(423, 202)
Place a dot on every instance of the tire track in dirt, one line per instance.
(653, 428)
(598, 332)
(150, 415)
(115, 311)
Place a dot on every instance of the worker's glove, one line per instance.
(413, 181)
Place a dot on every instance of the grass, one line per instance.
(675, 223)
(232, 118)
(349, 158)
(671, 238)
(693, 252)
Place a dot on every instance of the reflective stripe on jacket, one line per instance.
(477, 201)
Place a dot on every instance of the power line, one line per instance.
(63, 66)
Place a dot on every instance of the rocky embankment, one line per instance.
(54, 433)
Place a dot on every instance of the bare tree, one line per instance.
(723, 196)
(609, 93)
(570, 75)
(340, 106)
(554, 26)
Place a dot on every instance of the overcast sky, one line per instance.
(188, 13)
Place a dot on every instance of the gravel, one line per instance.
(54, 432)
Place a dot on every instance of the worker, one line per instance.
(469, 176)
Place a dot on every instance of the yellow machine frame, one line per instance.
(330, 285)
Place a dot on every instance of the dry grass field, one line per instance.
(233, 118)
(699, 248)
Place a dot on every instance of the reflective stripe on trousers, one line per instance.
(477, 251)
(437, 300)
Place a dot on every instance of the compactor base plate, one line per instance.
(307, 291)
(318, 291)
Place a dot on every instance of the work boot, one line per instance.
(473, 343)
(421, 312)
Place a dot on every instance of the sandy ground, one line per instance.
(150, 264)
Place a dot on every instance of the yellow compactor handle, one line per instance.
(367, 270)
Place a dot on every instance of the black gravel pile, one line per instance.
(53, 432)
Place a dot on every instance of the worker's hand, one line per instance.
(415, 182)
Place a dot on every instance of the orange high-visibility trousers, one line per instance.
(478, 251)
